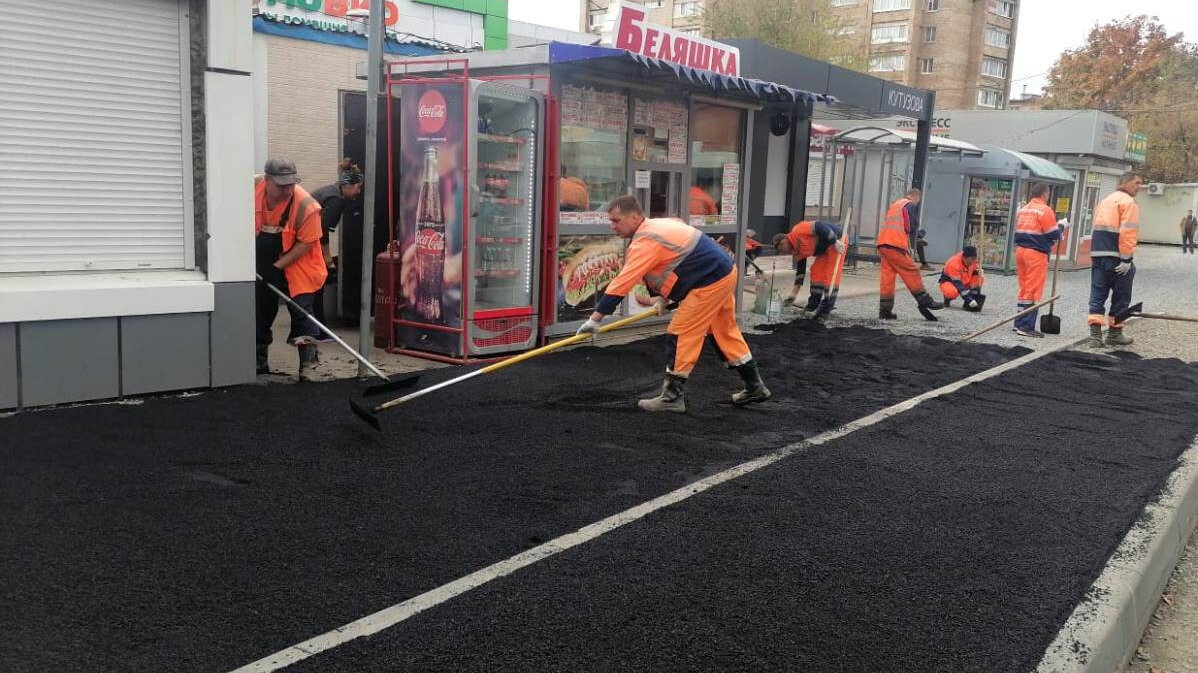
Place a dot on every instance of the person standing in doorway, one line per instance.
(1189, 225)
(1036, 232)
(287, 245)
(333, 200)
(894, 251)
(1112, 249)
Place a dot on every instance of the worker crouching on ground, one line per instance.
(821, 240)
(894, 251)
(679, 263)
(1112, 249)
(287, 245)
(1036, 232)
(961, 278)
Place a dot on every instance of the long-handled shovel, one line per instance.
(1137, 311)
(1049, 322)
(1008, 319)
(368, 415)
(838, 272)
(375, 389)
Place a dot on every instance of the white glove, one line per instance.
(1123, 268)
(841, 246)
(659, 303)
(588, 327)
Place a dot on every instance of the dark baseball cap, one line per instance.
(282, 171)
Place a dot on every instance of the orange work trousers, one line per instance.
(1031, 266)
(824, 269)
(707, 311)
(950, 291)
(897, 262)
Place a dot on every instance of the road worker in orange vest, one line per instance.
(1036, 232)
(962, 278)
(679, 263)
(1112, 249)
(894, 250)
(821, 240)
(287, 230)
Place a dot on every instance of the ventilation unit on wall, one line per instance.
(1155, 188)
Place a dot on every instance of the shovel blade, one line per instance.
(1131, 310)
(1050, 324)
(366, 415)
(380, 388)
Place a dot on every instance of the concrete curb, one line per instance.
(1106, 627)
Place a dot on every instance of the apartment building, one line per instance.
(961, 49)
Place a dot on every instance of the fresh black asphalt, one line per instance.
(204, 533)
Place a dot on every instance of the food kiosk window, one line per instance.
(716, 155)
(593, 150)
(989, 219)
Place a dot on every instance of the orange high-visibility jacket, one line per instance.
(672, 258)
(308, 273)
(1116, 227)
(896, 228)
(702, 203)
(573, 193)
(811, 239)
(962, 276)
(1036, 227)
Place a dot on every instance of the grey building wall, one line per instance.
(61, 361)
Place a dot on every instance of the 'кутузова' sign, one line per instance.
(634, 34)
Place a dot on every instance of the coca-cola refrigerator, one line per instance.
(468, 203)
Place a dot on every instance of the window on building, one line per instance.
(929, 33)
(926, 66)
(684, 10)
(989, 98)
(840, 31)
(888, 63)
(997, 37)
(994, 67)
(891, 5)
(844, 3)
(652, 4)
(894, 32)
(595, 18)
(1004, 8)
(691, 31)
(716, 157)
(933, 5)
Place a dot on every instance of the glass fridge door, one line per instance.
(504, 223)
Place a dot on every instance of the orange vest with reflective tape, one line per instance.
(893, 231)
(308, 273)
(1116, 227)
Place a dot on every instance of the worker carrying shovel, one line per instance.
(679, 263)
(1036, 232)
(821, 240)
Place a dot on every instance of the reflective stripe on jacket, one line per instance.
(308, 273)
(812, 239)
(1116, 227)
(896, 227)
(671, 258)
(1036, 227)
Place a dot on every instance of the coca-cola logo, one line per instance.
(429, 241)
(431, 111)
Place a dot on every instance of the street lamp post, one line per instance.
(374, 69)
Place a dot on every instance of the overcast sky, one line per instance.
(1046, 27)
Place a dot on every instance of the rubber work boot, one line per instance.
(1095, 340)
(260, 355)
(672, 397)
(1115, 337)
(309, 356)
(755, 390)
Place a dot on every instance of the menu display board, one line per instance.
(593, 109)
(730, 194)
(661, 130)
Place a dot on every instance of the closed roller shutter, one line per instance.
(94, 154)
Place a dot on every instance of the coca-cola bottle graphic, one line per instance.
(430, 241)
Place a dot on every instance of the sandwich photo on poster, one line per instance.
(586, 264)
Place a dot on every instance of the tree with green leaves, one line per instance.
(1136, 69)
(808, 27)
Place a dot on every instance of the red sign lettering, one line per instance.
(635, 35)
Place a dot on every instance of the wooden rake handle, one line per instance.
(1008, 319)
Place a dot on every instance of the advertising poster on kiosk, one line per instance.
(429, 206)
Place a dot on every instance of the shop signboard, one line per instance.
(430, 19)
(633, 32)
(1137, 147)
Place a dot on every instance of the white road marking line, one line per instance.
(388, 617)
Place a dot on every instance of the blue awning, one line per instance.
(411, 47)
(561, 52)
